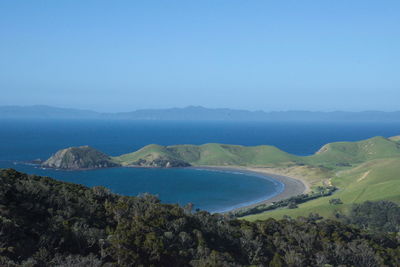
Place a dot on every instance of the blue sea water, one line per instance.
(209, 190)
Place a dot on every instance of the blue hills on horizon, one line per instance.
(193, 113)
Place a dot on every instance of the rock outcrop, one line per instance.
(75, 158)
(161, 163)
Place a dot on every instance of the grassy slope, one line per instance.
(212, 154)
(373, 180)
(149, 152)
(374, 175)
(334, 154)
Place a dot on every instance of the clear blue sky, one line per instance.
(269, 55)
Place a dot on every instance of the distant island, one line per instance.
(193, 113)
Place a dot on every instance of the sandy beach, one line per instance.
(292, 186)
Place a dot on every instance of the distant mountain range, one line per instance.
(193, 113)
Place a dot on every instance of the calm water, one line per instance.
(210, 190)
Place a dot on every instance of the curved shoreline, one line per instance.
(291, 186)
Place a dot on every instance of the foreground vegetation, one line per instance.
(44, 222)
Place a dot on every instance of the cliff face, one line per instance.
(83, 157)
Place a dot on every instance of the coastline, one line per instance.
(291, 186)
(288, 186)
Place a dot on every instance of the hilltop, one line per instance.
(209, 154)
(350, 153)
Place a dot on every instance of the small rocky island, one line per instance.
(83, 157)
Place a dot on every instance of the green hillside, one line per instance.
(333, 155)
(367, 170)
(350, 153)
(212, 154)
(373, 180)
(148, 152)
(151, 156)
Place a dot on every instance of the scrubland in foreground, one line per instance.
(49, 223)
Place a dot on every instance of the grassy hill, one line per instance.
(350, 153)
(332, 155)
(212, 154)
(373, 180)
(149, 152)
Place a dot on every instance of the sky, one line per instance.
(248, 54)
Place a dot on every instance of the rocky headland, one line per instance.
(83, 157)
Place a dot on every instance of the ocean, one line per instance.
(22, 140)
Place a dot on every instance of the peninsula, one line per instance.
(363, 170)
(331, 156)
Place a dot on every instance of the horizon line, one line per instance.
(194, 106)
